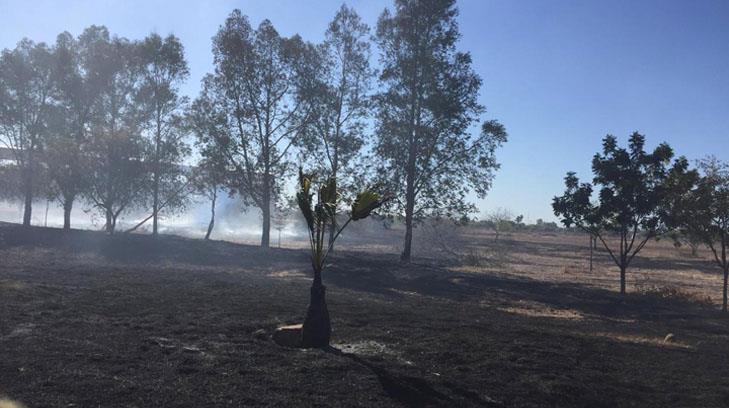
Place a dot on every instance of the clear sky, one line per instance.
(559, 74)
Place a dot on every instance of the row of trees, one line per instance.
(95, 117)
(270, 94)
(637, 196)
(103, 119)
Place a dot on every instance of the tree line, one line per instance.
(101, 119)
(96, 118)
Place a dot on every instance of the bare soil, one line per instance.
(91, 320)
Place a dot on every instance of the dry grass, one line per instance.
(660, 269)
(8, 403)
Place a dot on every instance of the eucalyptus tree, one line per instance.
(208, 123)
(635, 189)
(425, 115)
(261, 83)
(117, 176)
(341, 104)
(702, 214)
(74, 94)
(26, 88)
(163, 70)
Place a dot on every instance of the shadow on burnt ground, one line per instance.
(144, 249)
(126, 323)
(381, 274)
(387, 277)
(541, 248)
(707, 266)
(413, 391)
(578, 252)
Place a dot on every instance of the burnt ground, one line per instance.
(90, 320)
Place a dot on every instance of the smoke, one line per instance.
(234, 222)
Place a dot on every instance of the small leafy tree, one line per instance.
(500, 220)
(702, 214)
(319, 217)
(633, 190)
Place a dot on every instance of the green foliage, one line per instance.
(320, 214)
(258, 93)
(634, 188)
(340, 101)
(364, 204)
(26, 88)
(701, 213)
(163, 69)
(425, 113)
(118, 178)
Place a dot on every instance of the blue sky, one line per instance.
(559, 74)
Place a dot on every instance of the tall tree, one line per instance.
(66, 157)
(425, 113)
(208, 123)
(634, 189)
(117, 178)
(259, 82)
(163, 70)
(26, 87)
(341, 104)
(702, 214)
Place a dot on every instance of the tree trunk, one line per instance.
(155, 204)
(726, 278)
(113, 223)
(591, 249)
(622, 279)
(155, 192)
(266, 210)
(212, 216)
(332, 233)
(28, 207)
(407, 248)
(317, 328)
(109, 222)
(333, 226)
(409, 214)
(67, 207)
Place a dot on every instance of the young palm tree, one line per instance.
(320, 216)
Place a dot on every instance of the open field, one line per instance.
(126, 321)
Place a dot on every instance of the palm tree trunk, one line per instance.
(317, 329)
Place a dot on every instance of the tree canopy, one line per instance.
(633, 189)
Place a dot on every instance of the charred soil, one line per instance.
(88, 319)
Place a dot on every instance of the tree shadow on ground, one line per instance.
(145, 249)
(384, 277)
(414, 391)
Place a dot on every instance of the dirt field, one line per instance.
(89, 320)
